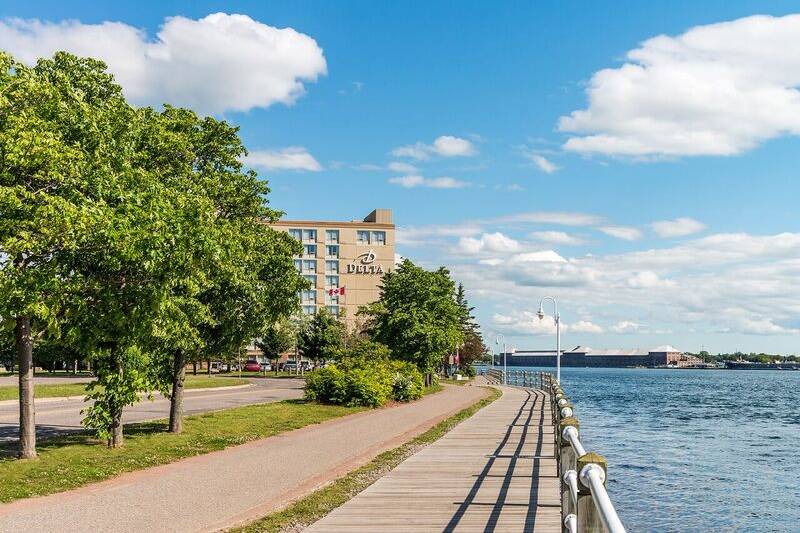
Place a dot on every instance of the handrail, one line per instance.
(585, 504)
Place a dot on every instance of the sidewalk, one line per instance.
(232, 486)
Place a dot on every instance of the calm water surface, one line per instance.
(694, 450)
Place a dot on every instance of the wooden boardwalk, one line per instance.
(493, 472)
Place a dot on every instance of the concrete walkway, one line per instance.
(494, 472)
(236, 485)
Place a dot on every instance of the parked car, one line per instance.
(266, 367)
(305, 365)
(290, 366)
(216, 367)
(252, 366)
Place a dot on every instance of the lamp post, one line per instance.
(497, 342)
(541, 315)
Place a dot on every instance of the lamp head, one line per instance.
(540, 313)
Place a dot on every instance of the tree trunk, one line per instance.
(176, 400)
(208, 367)
(27, 412)
(116, 440)
(75, 367)
(194, 368)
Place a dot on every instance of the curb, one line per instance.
(3, 403)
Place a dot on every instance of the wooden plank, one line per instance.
(495, 471)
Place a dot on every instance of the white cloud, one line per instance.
(444, 146)
(488, 242)
(622, 232)
(405, 168)
(647, 279)
(556, 237)
(544, 164)
(678, 227)
(526, 323)
(551, 217)
(291, 158)
(449, 146)
(717, 89)
(215, 64)
(626, 326)
(443, 182)
(537, 257)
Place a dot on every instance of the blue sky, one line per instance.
(664, 212)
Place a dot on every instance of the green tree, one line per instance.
(417, 316)
(473, 348)
(57, 124)
(321, 340)
(275, 339)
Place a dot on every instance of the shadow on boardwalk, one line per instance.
(495, 472)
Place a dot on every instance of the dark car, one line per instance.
(252, 366)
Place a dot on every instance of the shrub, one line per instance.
(323, 385)
(468, 371)
(358, 380)
(408, 383)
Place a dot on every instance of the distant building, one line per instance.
(582, 356)
(344, 261)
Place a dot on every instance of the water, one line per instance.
(694, 450)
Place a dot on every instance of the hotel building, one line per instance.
(344, 261)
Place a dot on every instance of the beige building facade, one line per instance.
(344, 261)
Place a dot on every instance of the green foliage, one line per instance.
(321, 339)
(417, 316)
(277, 338)
(365, 376)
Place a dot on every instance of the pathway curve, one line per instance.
(236, 485)
(494, 472)
(58, 416)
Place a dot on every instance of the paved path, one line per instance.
(64, 416)
(494, 472)
(232, 486)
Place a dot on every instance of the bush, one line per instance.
(408, 383)
(468, 371)
(360, 381)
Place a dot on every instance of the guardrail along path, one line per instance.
(495, 472)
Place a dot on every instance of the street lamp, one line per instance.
(541, 315)
(497, 342)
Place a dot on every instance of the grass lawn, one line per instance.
(75, 460)
(58, 390)
(454, 381)
(316, 505)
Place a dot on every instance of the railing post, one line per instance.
(589, 520)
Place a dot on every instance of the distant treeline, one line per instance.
(752, 357)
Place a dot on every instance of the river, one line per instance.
(694, 450)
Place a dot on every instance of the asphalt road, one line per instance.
(63, 416)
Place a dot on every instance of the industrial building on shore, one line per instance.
(582, 356)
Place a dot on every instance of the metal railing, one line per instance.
(585, 504)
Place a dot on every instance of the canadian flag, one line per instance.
(338, 291)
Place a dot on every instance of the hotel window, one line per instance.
(309, 250)
(332, 251)
(334, 310)
(308, 297)
(331, 281)
(362, 237)
(378, 238)
(309, 235)
(309, 266)
(331, 299)
(298, 264)
(332, 267)
(312, 279)
(296, 234)
(309, 309)
(332, 236)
